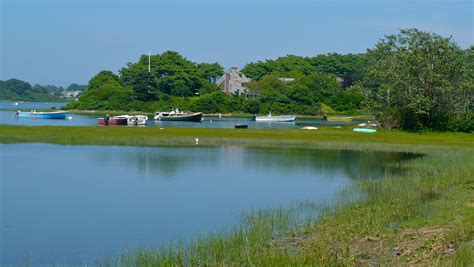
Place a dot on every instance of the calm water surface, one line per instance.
(27, 106)
(7, 117)
(8, 110)
(79, 204)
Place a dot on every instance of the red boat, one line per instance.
(114, 121)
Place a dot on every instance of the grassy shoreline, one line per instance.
(422, 217)
(154, 136)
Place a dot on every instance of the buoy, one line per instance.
(309, 128)
(70, 118)
(197, 141)
(210, 121)
(161, 128)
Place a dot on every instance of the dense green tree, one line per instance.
(211, 71)
(349, 67)
(212, 103)
(287, 66)
(413, 80)
(251, 106)
(170, 73)
(105, 92)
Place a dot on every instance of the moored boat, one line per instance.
(134, 119)
(114, 121)
(241, 126)
(60, 114)
(270, 118)
(178, 116)
(363, 130)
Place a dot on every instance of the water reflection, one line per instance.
(75, 204)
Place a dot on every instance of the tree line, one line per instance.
(413, 80)
(18, 90)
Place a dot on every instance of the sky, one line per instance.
(68, 41)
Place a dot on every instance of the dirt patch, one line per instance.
(423, 246)
(426, 245)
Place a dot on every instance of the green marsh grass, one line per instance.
(424, 216)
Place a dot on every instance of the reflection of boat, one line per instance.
(43, 115)
(114, 121)
(270, 118)
(177, 115)
(133, 119)
(241, 126)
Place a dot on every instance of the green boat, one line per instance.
(196, 117)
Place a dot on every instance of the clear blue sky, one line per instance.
(60, 42)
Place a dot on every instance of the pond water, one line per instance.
(7, 111)
(77, 205)
(27, 106)
(8, 118)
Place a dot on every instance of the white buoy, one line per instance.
(197, 141)
(69, 118)
(161, 128)
(210, 121)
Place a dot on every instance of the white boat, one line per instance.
(133, 119)
(161, 114)
(270, 118)
(177, 115)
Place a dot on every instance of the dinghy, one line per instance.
(363, 130)
(60, 114)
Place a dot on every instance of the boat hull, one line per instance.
(275, 118)
(114, 121)
(134, 119)
(196, 117)
(57, 115)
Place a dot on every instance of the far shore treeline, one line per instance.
(18, 90)
(413, 80)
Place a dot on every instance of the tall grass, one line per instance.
(424, 216)
(364, 225)
(153, 136)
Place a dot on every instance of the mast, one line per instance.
(149, 61)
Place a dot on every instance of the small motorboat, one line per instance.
(134, 119)
(241, 126)
(177, 115)
(114, 121)
(60, 114)
(270, 118)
